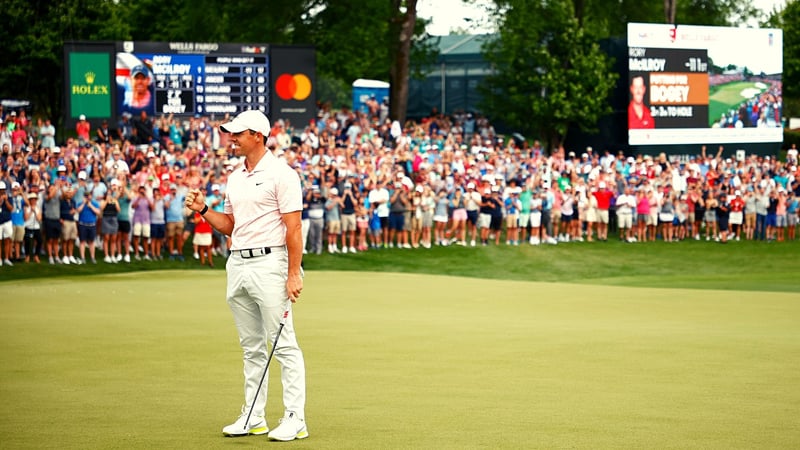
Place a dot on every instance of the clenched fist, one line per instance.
(195, 200)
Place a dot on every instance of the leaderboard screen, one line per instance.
(704, 85)
(189, 79)
(105, 80)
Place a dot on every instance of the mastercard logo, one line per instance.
(293, 87)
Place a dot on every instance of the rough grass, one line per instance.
(756, 266)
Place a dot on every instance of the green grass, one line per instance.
(151, 360)
(724, 97)
(756, 266)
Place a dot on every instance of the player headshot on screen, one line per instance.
(638, 113)
(138, 97)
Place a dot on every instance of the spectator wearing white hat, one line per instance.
(81, 187)
(116, 164)
(88, 210)
(603, 195)
(333, 218)
(472, 204)
(142, 204)
(399, 203)
(440, 214)
(83, 128)
(626, 208)
(33, 227)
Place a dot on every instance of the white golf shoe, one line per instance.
(290, 428)
(257, 425)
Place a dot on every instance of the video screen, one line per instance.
(704, 85)
(158, 79)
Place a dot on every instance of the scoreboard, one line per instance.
(704, 85)
(105, 80)
(214, 79)
(234, 83)
(210, 84)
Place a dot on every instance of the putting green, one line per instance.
(151, 360)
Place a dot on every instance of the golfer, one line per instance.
(262, 207)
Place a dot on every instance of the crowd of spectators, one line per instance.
(117, 192)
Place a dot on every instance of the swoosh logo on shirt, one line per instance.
(259, 184)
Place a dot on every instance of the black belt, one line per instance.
(253, 252)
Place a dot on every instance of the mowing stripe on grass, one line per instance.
(405, 361)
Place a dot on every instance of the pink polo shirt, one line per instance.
(258, 198)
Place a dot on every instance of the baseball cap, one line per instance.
(115, 182)
(738, 192)
(55, 150)
(2, 185)
(62, 168)
(602, 184)
(82, 117)
(173, 186)
(419, 188)
(334, 191)
(470, 185)
(214, 187)
(81, 174)
(140, 69)
(15, 185)
(248, 120)
(165, 176)
(151, 155)
(32, 195)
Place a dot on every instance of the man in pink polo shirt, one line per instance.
(263, 202)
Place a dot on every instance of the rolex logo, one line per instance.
(90, 88)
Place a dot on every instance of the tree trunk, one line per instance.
(401, 31)
(669, 11)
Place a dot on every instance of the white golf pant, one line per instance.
(257, 297)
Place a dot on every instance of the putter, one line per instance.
(264, 375)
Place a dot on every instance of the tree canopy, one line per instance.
(549, 74)
(549, 68)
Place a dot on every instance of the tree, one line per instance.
(33, 45)
(788, 19)
(549, 73)
(605, 18)
(402, 24)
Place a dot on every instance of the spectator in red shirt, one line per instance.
(83, 127)
(19, 137)
(736, 217)
(603, 196)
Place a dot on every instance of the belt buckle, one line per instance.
(253, 252)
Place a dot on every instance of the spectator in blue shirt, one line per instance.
(88, 211)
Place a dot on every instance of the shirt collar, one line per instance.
(262, 163)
